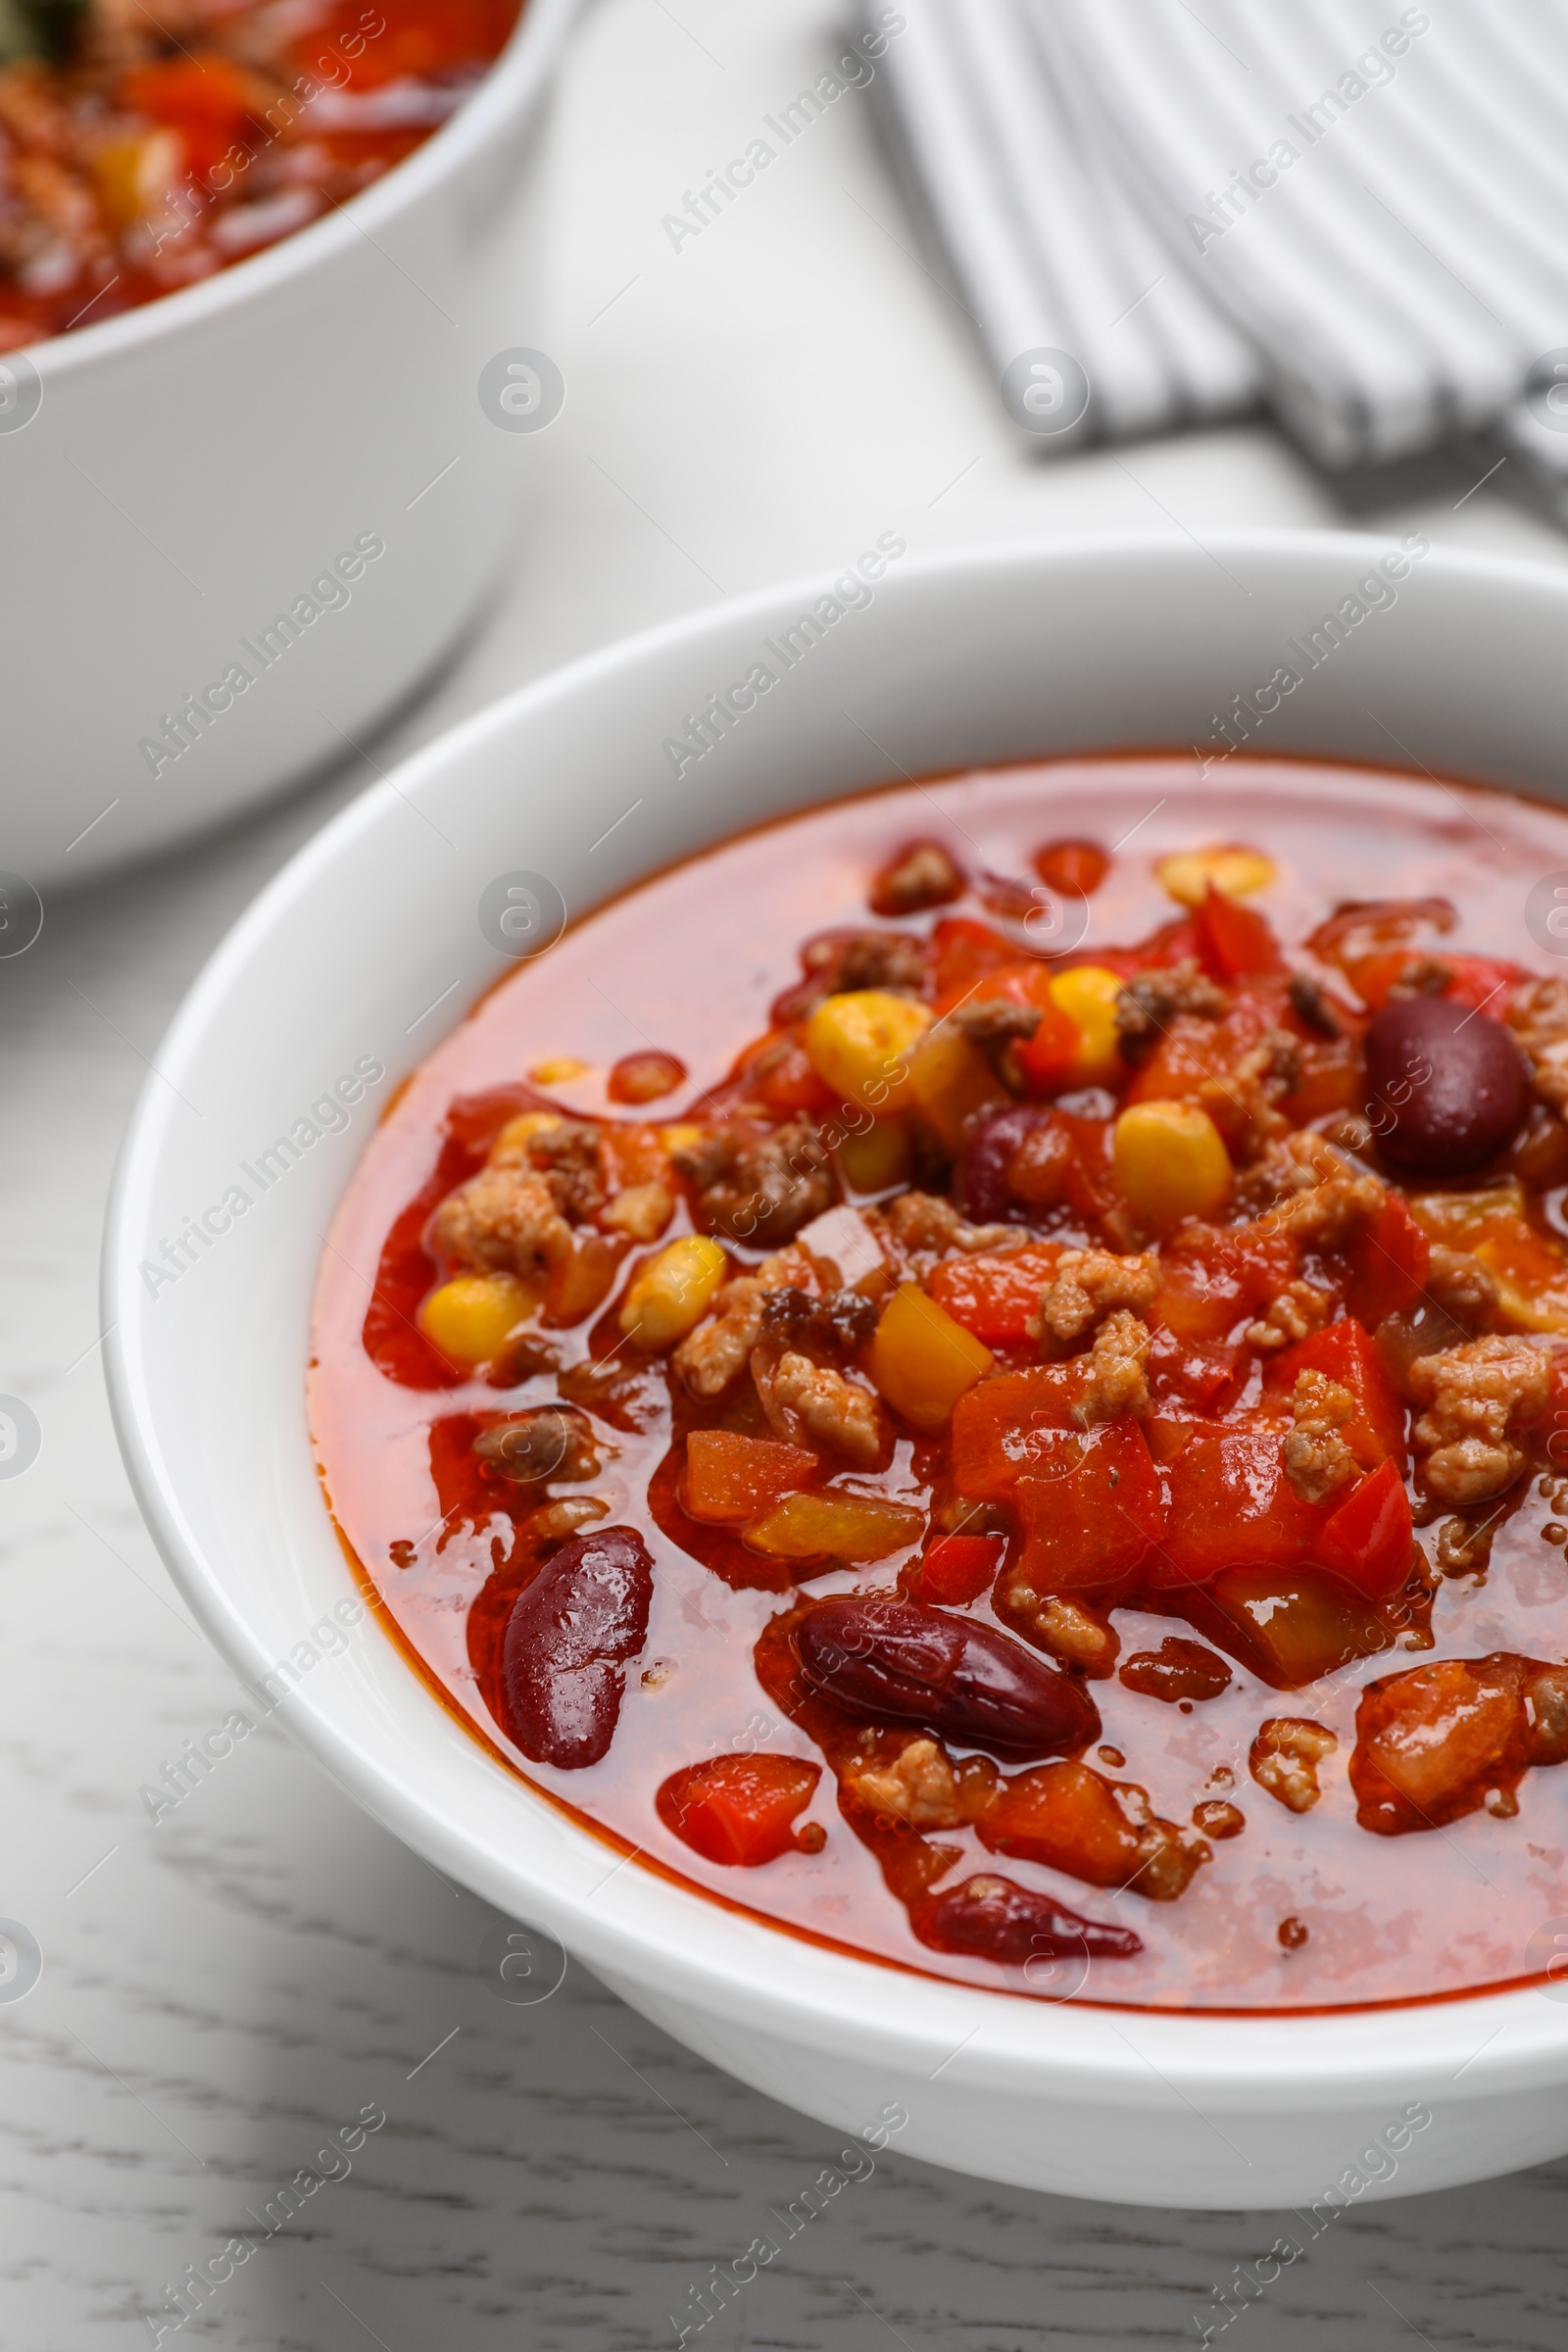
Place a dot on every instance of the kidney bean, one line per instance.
(1446, 1087)
(568, 1635)
(982, 1175)
(958, 1678)
(997, 1919)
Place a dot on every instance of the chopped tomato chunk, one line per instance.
(961, 950)
(730, 1479)
(1368, 1538)
(1230, 1507)
(1388, 1264)
(958, 1569)
(1291, 1626)
(998, 1427)
(997, 1299)
(1347, 1354)
(1235, 939)
(1090, 1507)
(741, 1809)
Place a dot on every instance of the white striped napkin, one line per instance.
(1356, 209)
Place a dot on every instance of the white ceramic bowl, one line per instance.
(368, 945)
(194, 464)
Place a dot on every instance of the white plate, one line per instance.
(369, 946)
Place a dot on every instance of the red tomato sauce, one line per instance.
(1120, 1552)
(141, 150)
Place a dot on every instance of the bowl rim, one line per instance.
(511, 88)
(829, 1998)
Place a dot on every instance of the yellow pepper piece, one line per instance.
(879, 1157)
(1170, 1163)
(672, 1291)
(922, 1359)
(561, 1071)
(1188, 873)
(949, 1079)
(834, 1526)
(472, 1317)
(1088, 995)
(858, 1044)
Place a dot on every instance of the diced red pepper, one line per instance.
(1091, 1507)
(741, 1809)
(1235, 940)
(1001, 1427)
(995, 1297)
(1369, 1540)
(958, 1569)
(1483, 983)
(1478, 981)
(731, 1479)
(1387, 1264)
(961, 950)
(206, 97)
(1072, 866)
(1230, 1507)
(1347, 1354)
(1047, 1057)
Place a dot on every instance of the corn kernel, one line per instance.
(858, 1044)
(951, 1079)
(643, 1210)
(472, 1317)
(512, 1143)
(680, 1136)
(1088, 995)
(672, 1291)
(560, 1072)
(1170, 1163)
(880, 1157)
(922, 1360)
(1188, 873)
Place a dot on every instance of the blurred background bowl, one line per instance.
(369, 944)
(193, 466)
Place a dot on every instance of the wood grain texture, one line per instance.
(222, 1990)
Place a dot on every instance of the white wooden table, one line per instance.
(222, 1990)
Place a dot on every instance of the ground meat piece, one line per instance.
(1243, 1106)
(709, 1357)
(803, 1402)
(1285, 1757)
(923, 1224)
(1116, 1363)
(572, 1160)
(831, 1329)
(922, 875)
(1089, 1283)
(503, 1220)
(1460, 1284)
(1311, 1006)
(1149, 1004)
(1538, 1018)
(1297, 1311)
(922, 1787)
(843, 961)
(1332, 1211)
(1423, 976)
(1070, 1629)
(759, 1188)
(1317, 1460)
(995, 1026)
(1478, 1396)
